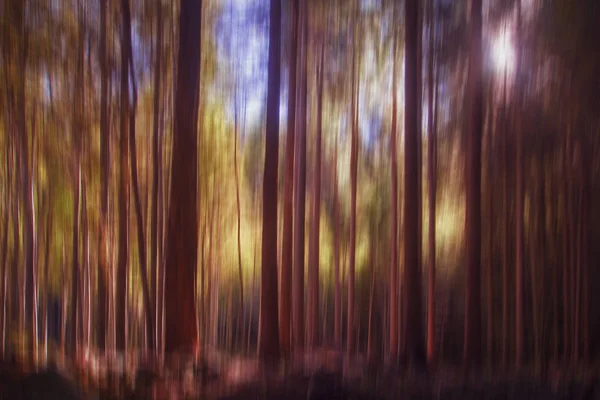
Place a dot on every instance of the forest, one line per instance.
(299, 199)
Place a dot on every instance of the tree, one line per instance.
(285, 302)
(182, 229)
(300, 189)
(155, 243)
(148, 309)
(472, 336)
(355, 76)
(102, 299)
(269, 330)
(432, 178)
(313, 251)
(123, 249)
(413, 327)
(393, 307)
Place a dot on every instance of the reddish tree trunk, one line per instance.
(269, 330)
(300, 192)
(285, 301)
(472, 336)
(182, 230)
(393, 307)
(412, 275)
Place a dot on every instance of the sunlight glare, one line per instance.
(503, 52)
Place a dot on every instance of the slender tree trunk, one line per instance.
(519, 280)
(472, 336)
(3, 265)
(300, 191)
(156, 170)
(269, 337)
(313, 262)
(102, 299)
(337, 304)
(432, 158)
(412, 274)
(565, 253)
(148, 309)
(123, 200)
(355, 76)
(393, 307)
(285, 301)
(505, 223)
(241, 325)
(371, 296)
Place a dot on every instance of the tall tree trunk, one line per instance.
(148, 309)
(241, 326)
(505, 227)
(103, 241)
(337, 304)
(300, 190)
(313, 252)
(269, 330)
(432, 168)
(412, 274)
(393, 307)
(26, 181)
(182, 231)
(3, 263)
(519, 281)
(156, 170)
(285, 301)
(472, 337)
(355, 76)
(77, 132)
(123, 243)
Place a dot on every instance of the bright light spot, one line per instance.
(503, 52)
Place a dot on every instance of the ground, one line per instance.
(324, 375)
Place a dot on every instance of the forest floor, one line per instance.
(322, 376)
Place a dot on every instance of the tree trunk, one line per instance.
(285, 301)
(269, 330)
(156, 170)
(337, 304)
(355, 76)
(313, 252)
(300, 191)
(148, 309)
(519, 281)
(241, 326)
(472, 336)
(432, 158)
(123, 199)
(412, 277)
(182, 230)
(505, 227)
(393, 307)
(102, 299)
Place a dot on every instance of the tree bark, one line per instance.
(355, 76)
(285, 301)
(393, 307)
(313, 252)
(123, 200)
(156, 170)
(432, 168)
(412, 274)
(182, 230)
(300, 191)
(269, 330)
(102, 300)
(148, 309)
(472, 336)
